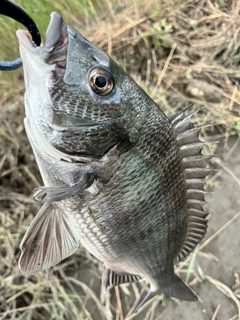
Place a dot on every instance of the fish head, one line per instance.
(76, 96)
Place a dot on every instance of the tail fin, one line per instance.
(178, 289)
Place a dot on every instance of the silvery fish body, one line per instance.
(120, 177)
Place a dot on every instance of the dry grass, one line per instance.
(180, 52)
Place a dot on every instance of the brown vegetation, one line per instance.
(180, 52)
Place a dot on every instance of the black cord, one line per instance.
(10, 9)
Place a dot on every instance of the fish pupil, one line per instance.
(100, 82)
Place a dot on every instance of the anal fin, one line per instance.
(112, 278)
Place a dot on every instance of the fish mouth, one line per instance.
(55, 48)
(25, 40)
(56, 44)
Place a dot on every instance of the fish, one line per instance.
(120, 177)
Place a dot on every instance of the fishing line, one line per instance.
(11, 10)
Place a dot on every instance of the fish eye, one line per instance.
(101, 81)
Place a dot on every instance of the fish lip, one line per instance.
(55, 47)
(25, 40)
(54, 32)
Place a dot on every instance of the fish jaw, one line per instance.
(36, 72)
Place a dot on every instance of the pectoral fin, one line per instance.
(54, 194)
(51, 237)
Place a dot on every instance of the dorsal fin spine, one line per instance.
(195, 172)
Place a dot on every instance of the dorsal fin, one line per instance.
(195, 171)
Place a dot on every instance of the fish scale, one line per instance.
(84, 111)
(131, 191)
(120, 177)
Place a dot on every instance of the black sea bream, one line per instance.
(120, 177)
